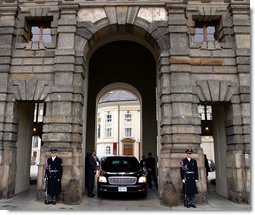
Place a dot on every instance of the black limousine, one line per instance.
(121, 174)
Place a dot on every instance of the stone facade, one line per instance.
(188, 74)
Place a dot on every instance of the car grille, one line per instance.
(122, 180)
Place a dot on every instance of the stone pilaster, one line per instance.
(238, 136)
(179, 128)
(63, 121)
(8, 128)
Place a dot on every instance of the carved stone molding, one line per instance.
(27, 90)
(214, 90)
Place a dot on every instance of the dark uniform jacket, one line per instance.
(53, 173)
(91, 171)
(150, 164)
(189, 172)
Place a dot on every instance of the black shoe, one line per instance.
(193, 205)
(53, 202)
(47, 202)
(188, 205)
(91, 195)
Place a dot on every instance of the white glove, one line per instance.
(183, 181)
(196, 180)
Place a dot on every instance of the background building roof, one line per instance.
(118, 95)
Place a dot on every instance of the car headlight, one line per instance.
(102, 179)
(142, 179)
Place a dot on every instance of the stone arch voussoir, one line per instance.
(112, 21)
(28, 90)
(215, 90)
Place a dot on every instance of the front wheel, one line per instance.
(99, 193)
(144, 194)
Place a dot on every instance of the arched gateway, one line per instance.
(158, 48)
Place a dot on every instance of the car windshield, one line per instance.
(121, 164)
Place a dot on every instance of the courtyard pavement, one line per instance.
(27, 202)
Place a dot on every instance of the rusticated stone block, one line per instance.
(72, 194)
(169, 195)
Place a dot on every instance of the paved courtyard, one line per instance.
(27, 202)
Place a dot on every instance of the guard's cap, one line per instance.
(54, 150)
(189, 151)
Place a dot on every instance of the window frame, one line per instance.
(108, 125)
(128, 124)
(204, 26)
(41, 24)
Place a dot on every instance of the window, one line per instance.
(35, 141)
(206, 31)
(128, 125)
(98, 127)
(108, 125)
(39, 112)
(39, 31)
(108, 150)
(205, 112)
(128, 132)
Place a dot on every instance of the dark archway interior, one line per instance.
(128, 62)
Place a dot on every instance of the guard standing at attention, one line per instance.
(189, 177)
(53, 173)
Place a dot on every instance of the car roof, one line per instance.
(121, 156)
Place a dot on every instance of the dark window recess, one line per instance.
(206, 31)
(39, 31)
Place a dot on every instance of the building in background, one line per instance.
(118, 124)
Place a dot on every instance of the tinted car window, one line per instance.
(121, 164)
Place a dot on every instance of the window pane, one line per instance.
(47, 35)
(35, 113)
(128, 132)
(35, 33)
(46, 31)
(210, 29)
(108, 132)
(108, 125)
(210, 37)
(198, 38)
(209, 112)
(198, 30)
(201, 112)
(40, 112)
(99, 131)
(46, 38)
(210, 33)
(108, 150)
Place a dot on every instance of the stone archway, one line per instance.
(131, 73)
(59, 74)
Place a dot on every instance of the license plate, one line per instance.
(122, 189)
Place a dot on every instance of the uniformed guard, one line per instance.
(53, 174)
(91, 172)
(189, 177)
(150, 164)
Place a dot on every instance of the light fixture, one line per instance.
(34, 129)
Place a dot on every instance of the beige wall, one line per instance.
(118, 111)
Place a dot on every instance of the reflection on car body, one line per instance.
(121, 174)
